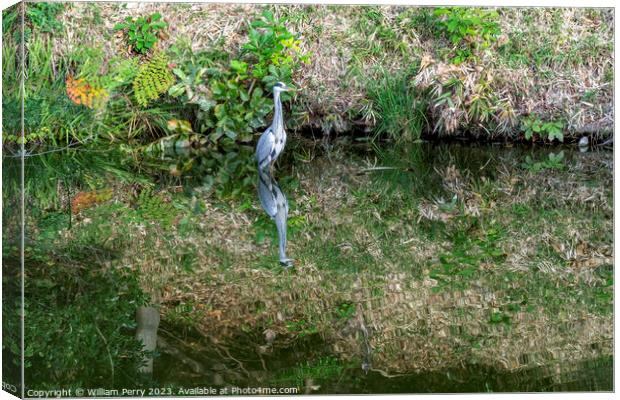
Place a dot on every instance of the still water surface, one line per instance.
(416, 168)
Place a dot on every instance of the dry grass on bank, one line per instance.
(554, 63)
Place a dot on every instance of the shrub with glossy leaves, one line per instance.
(232, 93)
(533, 126)
(142, 31)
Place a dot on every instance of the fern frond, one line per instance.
(154, 78)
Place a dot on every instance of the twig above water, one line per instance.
(385, 374)
(373, 169)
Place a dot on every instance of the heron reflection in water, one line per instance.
(275, 205)
(270, 145)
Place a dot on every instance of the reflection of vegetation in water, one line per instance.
(11, 201)
(445, 215)
(52, 177)
(553, 161)
(79, 312)
(470, 249)
(226, 170)
(79, 323)
(311, 373)
(85, 308)
(475, 235)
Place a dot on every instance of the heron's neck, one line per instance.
(277, 116)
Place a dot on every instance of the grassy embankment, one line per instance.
(549, 65)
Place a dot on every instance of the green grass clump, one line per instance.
(398, 108)
(470, 30)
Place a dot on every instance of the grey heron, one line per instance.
(272, 141)
(270, 145)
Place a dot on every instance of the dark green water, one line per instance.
(418, 168)
(415, 168)
(292, 367)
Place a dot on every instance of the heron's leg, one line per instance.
(280, 220)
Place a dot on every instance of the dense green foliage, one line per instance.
(39, 16)
(470, 30)
(50, 117)
(532, 126)
(44, 15)
(231, 92)
(272, 49)
(53, 117)
(142, 31)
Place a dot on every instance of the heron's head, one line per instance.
(280, 87)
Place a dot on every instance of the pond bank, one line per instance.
(486, 90)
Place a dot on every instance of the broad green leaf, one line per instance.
(178, 72)
(176, 90)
